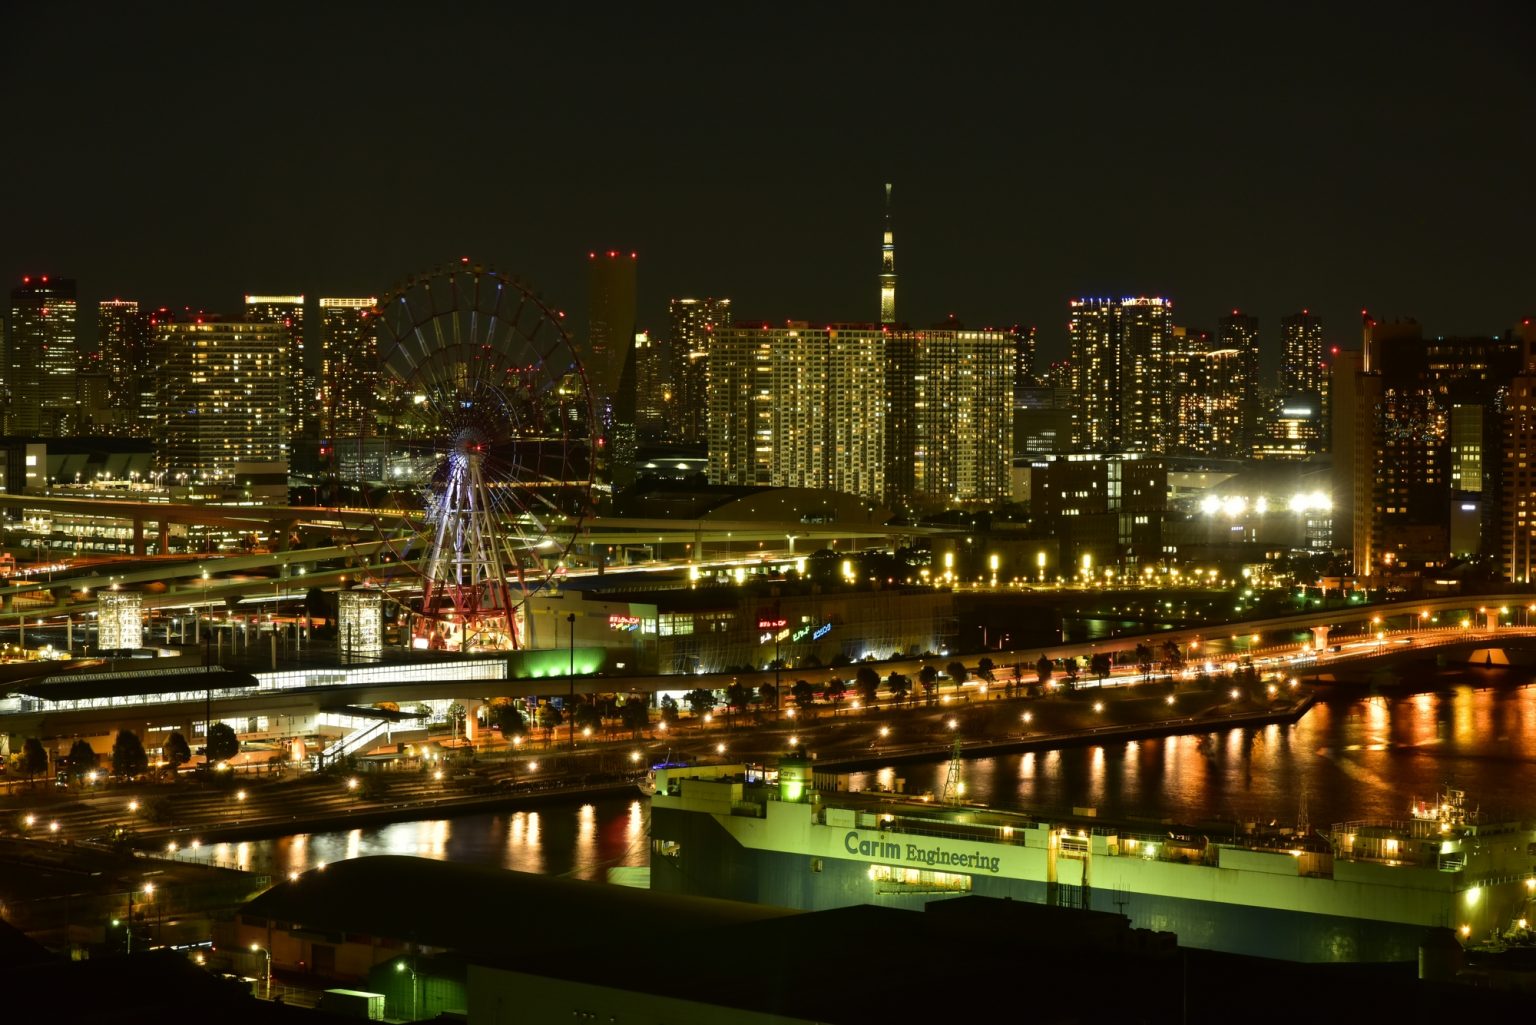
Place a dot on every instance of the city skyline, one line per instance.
(1298, 181)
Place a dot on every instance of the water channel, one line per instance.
(1353, 758)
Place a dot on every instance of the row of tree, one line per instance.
(129, 759)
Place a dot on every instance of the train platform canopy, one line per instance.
(184, 679)
(381, 714)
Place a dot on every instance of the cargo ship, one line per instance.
(1357, 892)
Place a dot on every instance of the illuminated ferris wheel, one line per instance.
(488, 436)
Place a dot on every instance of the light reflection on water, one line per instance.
(1352, 759)
(582, 841)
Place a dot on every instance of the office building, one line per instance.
(1120, 373)
(221, 392)
(41, 350)
(288, 310)
(798, 406)
(122, 339)
(349, 369)
(610, 322)
(1024, 343)
(1302, 369)
(693, 325)
(1105, 510)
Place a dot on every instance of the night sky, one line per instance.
(1269, 157)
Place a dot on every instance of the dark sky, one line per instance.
(1268, 156)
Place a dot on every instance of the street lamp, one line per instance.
(257, 948)
(401, 966)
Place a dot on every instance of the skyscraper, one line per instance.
(1428, 445)
(1024, 341)
(963, 416)
(122, 338)
(42, 354)
(288, 310)
(349, 369)
(694, 322)
(798, 406)
(1301, 355)
(888, 265)
(610, 321)
(1120, 373)
(221, 390)
(1240, 333)
(1518, 530)
(654, 405)
(1207, 402)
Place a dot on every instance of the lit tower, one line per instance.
(41, 351)
(288, 310)
(888, 266)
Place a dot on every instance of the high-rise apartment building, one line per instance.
(221, 391)
(694, 322)
(888, 265)
(288, 310)
(1024, 346)
(1517, 536)
(1301, 354)
(43, 360)
(1427, 446)
(1299, 426)
(1206, 399)
(961, 419)
(122, 339)
(798, 406)
(1239, 332)
(611, 322)
(1120, 373)
(654, 404)
(349, 369)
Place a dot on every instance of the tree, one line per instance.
(868, 682)
(899, 686)
(177, 751)
(1015, 677)
(768, 694)
(700, 700)
(804, 694)
(550, 719)
(588, 715)
(737, 696)
(668, 709)
(222, 743)
(1044, 669)
(984, 669)
(929, 678)
(128, 757)
(956, 671)
(634, 715)
(34, 760)
(506, 717)
(1173, 658)
(1071, 667)
(1144, 659)
(1100, 666)
(837, 689)
(82, 758)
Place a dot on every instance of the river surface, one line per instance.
(1352, 758)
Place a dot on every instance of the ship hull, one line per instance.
(700, 854)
